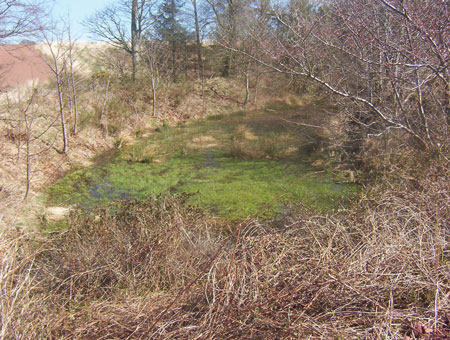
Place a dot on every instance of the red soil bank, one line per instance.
(21, 63)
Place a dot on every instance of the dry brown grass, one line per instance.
(162, 270)
(20, 307)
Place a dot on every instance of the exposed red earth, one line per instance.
(20, 64)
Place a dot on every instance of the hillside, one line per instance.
(22, 64)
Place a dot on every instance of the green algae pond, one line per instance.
(231, 165)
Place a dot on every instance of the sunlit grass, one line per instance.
(231, 165)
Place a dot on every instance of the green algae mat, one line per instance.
(230, 165)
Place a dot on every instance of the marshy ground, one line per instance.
(231, 165)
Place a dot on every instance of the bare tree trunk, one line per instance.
(134, 9)
(420, 105)
(71, 88)
(174, 55)
(61, 105)
(59, 58)
(247, 88)
(75, 105)
(255, 99)
(28, 184)
(197, 37)
(61, 111)
(105, 98)
(154, 94)
(232, 12)
(69, 95)
(203, 89)
(19, 145)
(173, 43)
(200, 65)
(186, 62)
(28, 132)
(73, 92)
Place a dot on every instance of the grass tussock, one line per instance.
(160, 269)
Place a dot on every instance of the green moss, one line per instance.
(72, 187)
(55, 226)
(196, 159)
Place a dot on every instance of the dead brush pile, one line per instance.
(378, 271)
(161, 270)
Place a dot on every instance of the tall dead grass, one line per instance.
(20, 305)
(162, 270)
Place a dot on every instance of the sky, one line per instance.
(78, 10)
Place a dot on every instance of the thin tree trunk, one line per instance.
(75, 108)
(255, 99)
(203, 89)
(56, 57)
(420, 105)
(105, 99)
(174, 55)
(28, 125)
(71, 81)
(69, 94)
(200, 64)
(28, 184)
(74, 97)
(19, 145)
(61, 110)
(247, 89)
(134, 9)
(174, 43)
(186, 62)
(199, 43)
(154, 94)
(232, 13)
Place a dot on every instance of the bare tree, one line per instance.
(72, 84)
(58, 63)
(230, 16)
(22, 19)
(134, 36)
(105, 98)
(199, 48)
(29, 129)
(123, 25)
(19, 18)
(200, 66)
(155, 58)
(28, 119)
(388, 58)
